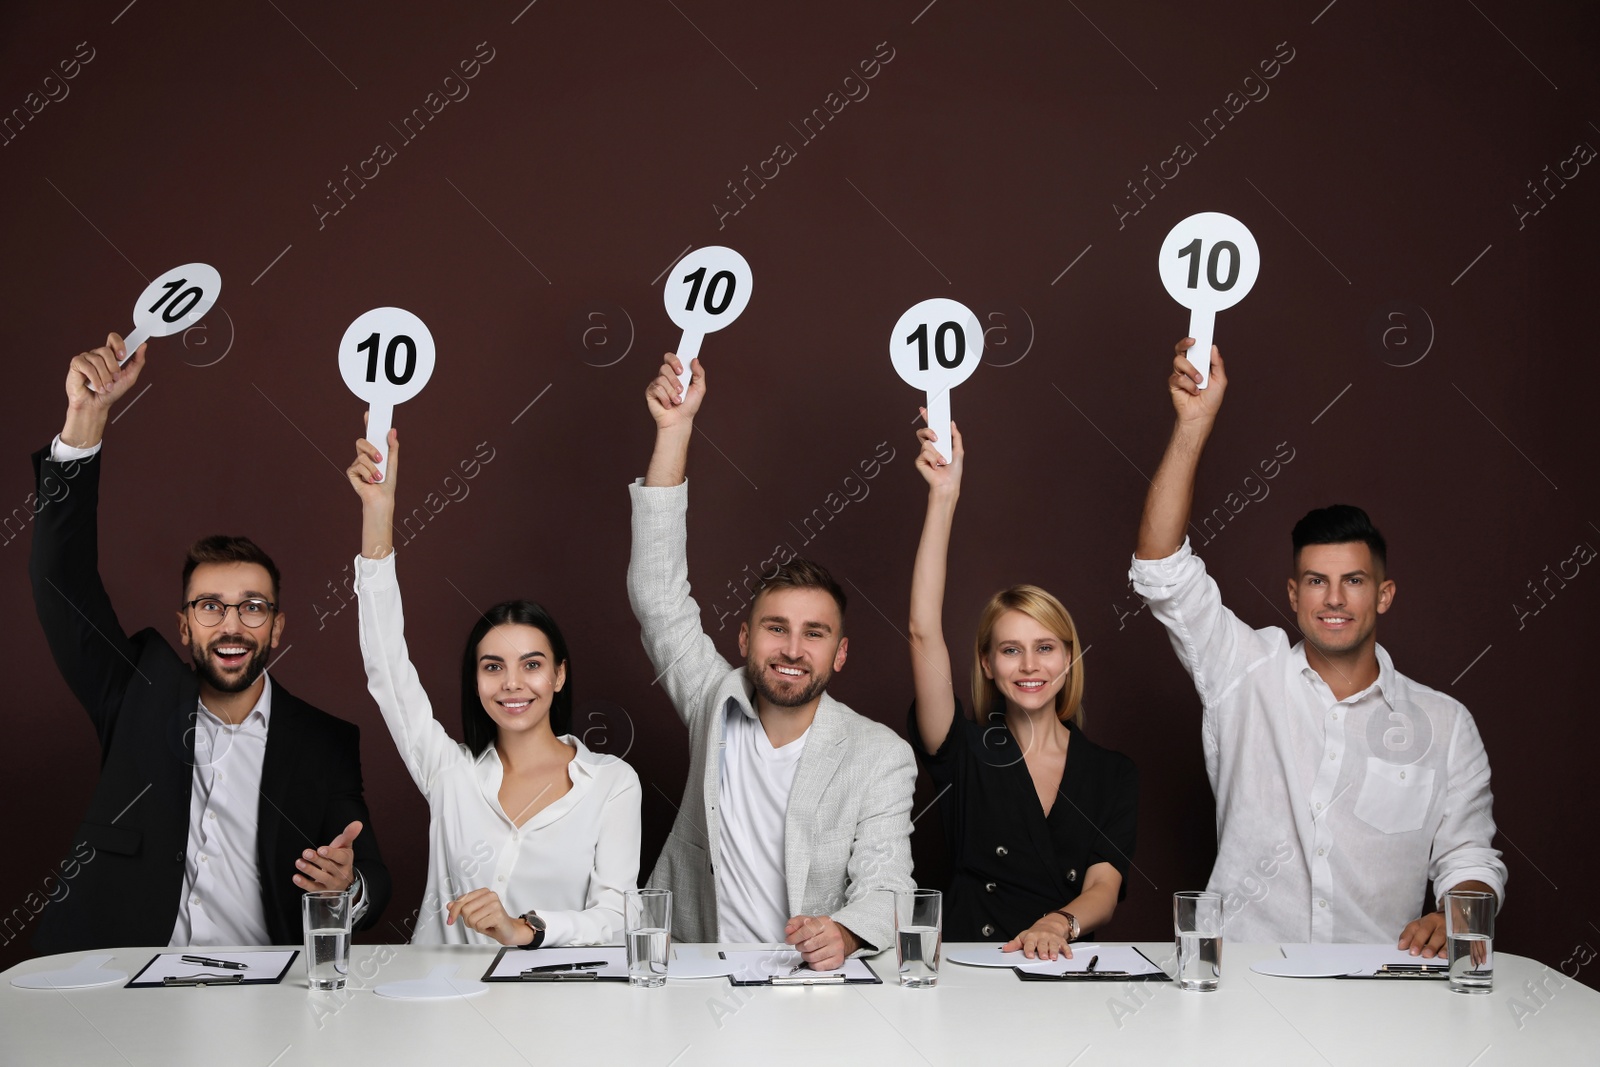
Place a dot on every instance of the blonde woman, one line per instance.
(1039, 819)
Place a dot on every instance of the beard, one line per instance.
(253, 666)
(788, 697)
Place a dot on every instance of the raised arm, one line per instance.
(682, 653)
(87, 642)
(930, 657)
(674, 410)
(1167, 505)
(424, 745)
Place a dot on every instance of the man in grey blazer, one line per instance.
(796, 813)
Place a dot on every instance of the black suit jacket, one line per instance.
(125, 874)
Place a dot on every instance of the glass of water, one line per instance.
(647, 928)
(1469, 934)
(919, 927)
(1197, 926)
(325, 918)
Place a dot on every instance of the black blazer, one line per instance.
(122, 884)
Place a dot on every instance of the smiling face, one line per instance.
(518, 677)
(792, 644)
(1027, 663)
(230, 656)
(1337, 595)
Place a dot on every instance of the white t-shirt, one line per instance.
(752, 892)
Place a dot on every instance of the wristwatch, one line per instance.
(539, 926)
(1072, 923)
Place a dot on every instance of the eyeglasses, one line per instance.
(209, 611)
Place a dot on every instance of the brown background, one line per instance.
(986, 159)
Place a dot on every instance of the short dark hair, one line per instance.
(221, 548)
(1339, 524)
(801, 573)
(477, 728)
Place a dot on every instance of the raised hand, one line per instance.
(670, 404)
(94, 384)
(333, 866)
(941, 477)
(376, 493)
(1188, 399)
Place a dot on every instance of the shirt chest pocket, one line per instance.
(1394, 799)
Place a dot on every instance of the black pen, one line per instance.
(552, 967)
(206, 961)
(1092, 961)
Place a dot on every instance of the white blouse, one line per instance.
(571, 862)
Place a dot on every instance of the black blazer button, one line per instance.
(1000, 850)
(178, 857)
(1072, 875)
(989, 887)
(988, 930)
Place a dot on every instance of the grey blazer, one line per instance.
(847, 831)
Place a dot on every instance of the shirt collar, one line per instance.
(583, 764)
(1388, 686)
(261, 713)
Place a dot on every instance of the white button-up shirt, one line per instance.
(221, 902)
(571, 862)
(1332, 815)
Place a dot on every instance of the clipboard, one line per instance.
(526, 964)
(167, 970)
(784, 968)
(1112, 973)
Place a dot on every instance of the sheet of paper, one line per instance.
(515, 961)
(260, 965)
(762, 964)
(1110, 958)
(1357, 959)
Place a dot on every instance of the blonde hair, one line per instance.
(1048, 612)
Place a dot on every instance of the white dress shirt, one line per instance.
(571, 862)
(221, 902)
(1332, 815)
(752, 888)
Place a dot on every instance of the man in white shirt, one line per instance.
(221, 796)
(797, 809)
(1342, 786)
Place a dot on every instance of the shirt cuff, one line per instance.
(358, 899)
(61, 452)
(375, 573)
(1151, 575)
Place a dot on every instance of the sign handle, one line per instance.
(132, 342)
(939, 422)
(1202, 327)
(379, 418)
(688, 349)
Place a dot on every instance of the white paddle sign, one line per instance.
(936, 346)
(172, 303)
(706, 290)
(385, 357)
(1208, 263)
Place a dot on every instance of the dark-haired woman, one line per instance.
(532, 838)
(1039, 819)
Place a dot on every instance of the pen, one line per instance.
(551, 967)
(1092, 961)
(206, 961)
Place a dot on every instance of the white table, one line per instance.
(975, 1016)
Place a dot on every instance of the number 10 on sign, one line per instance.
(1208, 263)
(385, 358)
(936, 346)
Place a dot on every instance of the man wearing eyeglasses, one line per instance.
(221, 797)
